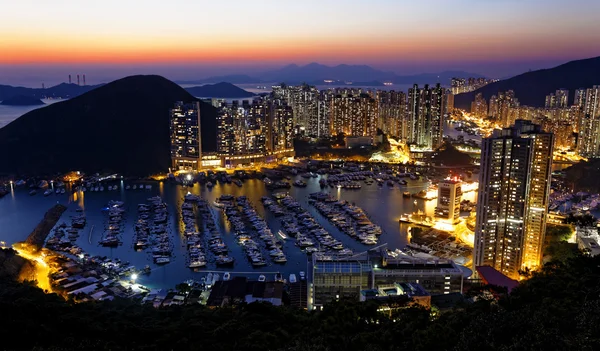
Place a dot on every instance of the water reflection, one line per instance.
(20, 213)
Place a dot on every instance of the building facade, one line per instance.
(426, 111)
(512, 206)
(335, 277)
(185, 136)
(449, 197)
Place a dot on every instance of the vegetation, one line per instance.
(556, 246)
(13, 266)
(448, 155)
(219, 90)
(120, 127)
(558, 308)
(584, 220)
(584, 176)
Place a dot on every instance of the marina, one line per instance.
(180, 232)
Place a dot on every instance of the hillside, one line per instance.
(22, 100)
(62, 91)
(219, 90)
(122, 126)
(531, 88)
(557, 309)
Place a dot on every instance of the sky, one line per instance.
(189, 39)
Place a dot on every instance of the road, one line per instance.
(42, 270)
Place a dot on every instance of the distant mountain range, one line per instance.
(316, 74)
(61, 91)
(532, 87)
(122, 126)
(21, 100)
(219, 90)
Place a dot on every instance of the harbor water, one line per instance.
(20, 213)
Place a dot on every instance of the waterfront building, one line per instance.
(254, 131)
(335, 277)
(448, 202)
(185, 136)
(512, 206)
(280, 132)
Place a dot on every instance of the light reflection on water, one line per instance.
(20, 213)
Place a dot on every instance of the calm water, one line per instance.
(10, 113)
(20, 213)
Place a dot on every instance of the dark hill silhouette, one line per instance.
(22, 100)
(63, 91)
(531, 88)
(232, 78)
(315, 73)
(122, 126)
(219, 90)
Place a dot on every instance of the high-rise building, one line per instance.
(448, 201)
(281, 126)
(449, 102)
(558, 99)
(501, 105)
(589, 131)
(392, 113)
(426, 116)
(186, 140)
(562, 98)
(243, 129)
(479, 107)
(550, 100)
(512, 206)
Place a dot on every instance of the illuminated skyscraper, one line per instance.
(512, 206)
(479, 107)
(281, 126)
(426, 116)
(392, 113)
(589, 131)
(185, 130)
(500, 107)
(559, 99)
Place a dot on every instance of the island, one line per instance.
(22, 100)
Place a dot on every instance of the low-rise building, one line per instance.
(334, 277)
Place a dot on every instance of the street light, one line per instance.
(134, 276)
